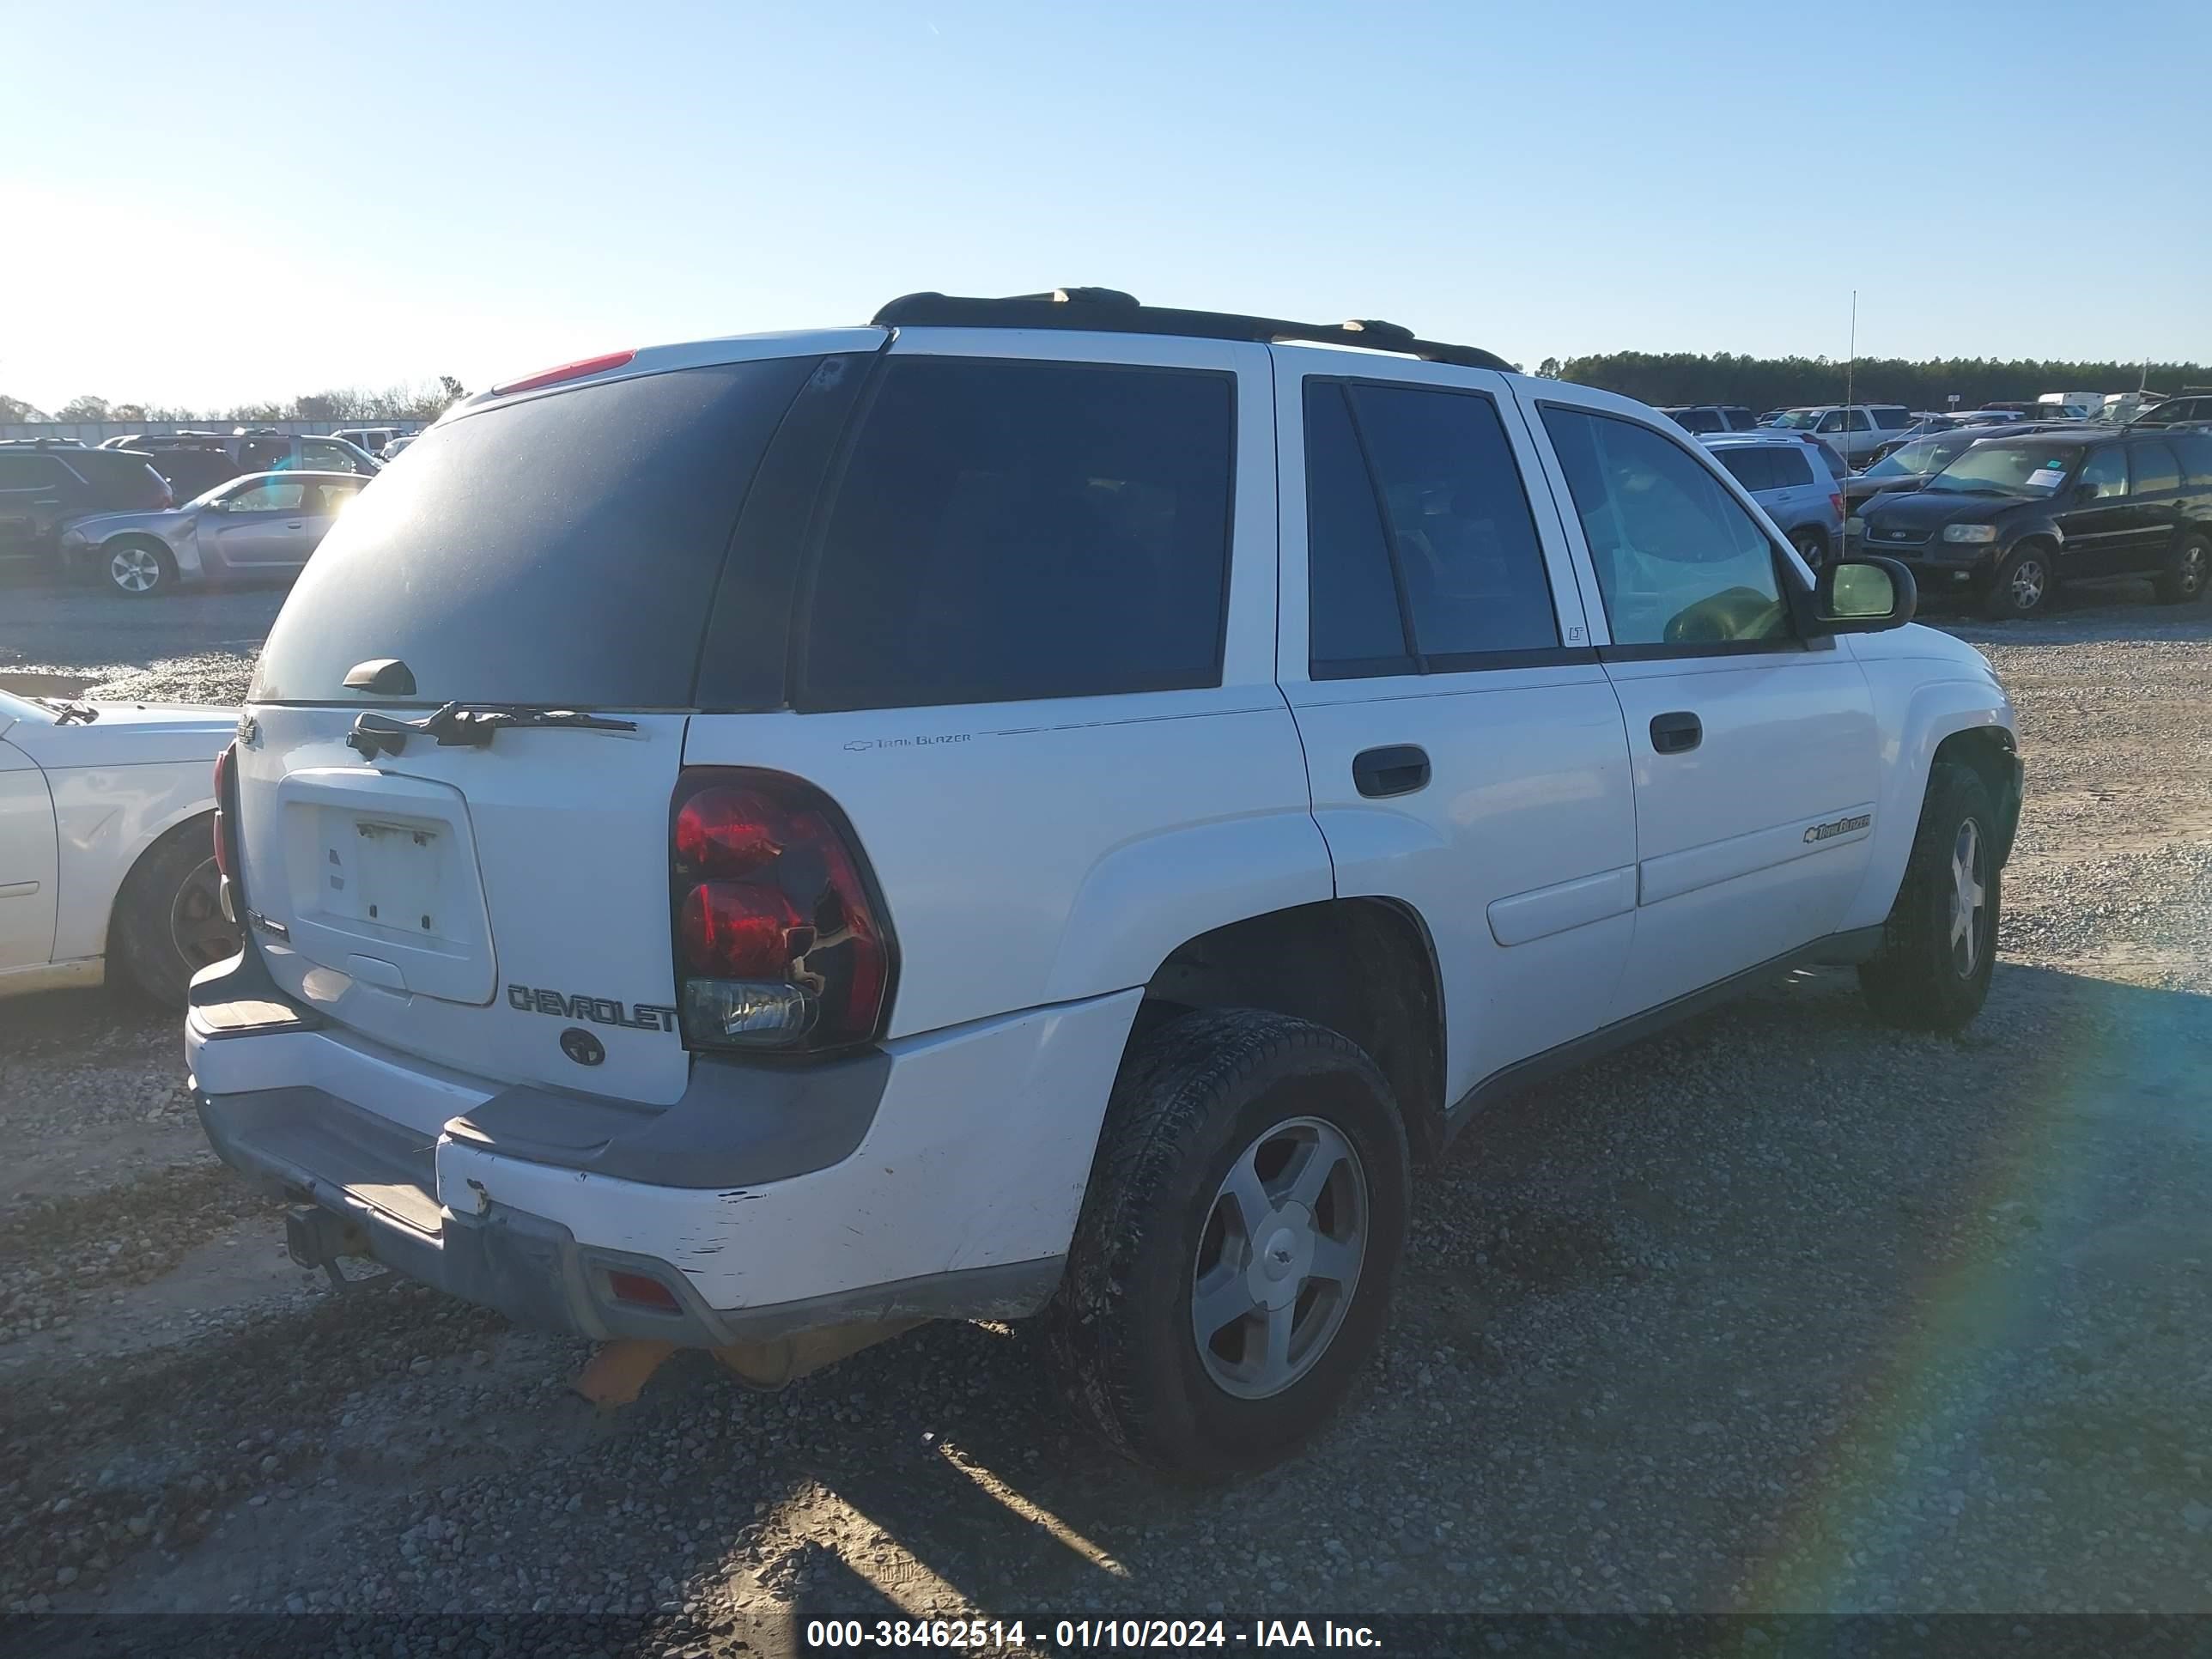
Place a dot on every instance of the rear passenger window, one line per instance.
(2195, 449)
(1791, 466)
(1751, 466)
(2155, 468)
(1012, 530)
(1459, 523)
(29, 473)
(1679, 561)
(1355, 628)
(1416, 510)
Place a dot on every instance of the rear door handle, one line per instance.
(1399, 770)
(1676, 734)
(295, 524)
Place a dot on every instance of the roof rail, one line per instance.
(1110, 311)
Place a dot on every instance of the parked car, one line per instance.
(1855, 432)
(1181, 772)
(258, 449)
(398, 446)
(370, 440)
(2192, 407)
(2015, 516)
(1710, 417)
(264, 523)
(1910, 464)
(1929, 425)
(107, 853)
(2020, 411)
(2068, 406)
(193, 463)
(1791, 482)
(44, 484)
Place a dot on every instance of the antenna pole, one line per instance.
(1851, 363)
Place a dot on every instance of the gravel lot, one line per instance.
(1782, 1312)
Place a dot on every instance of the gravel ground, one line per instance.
(1783, 1312)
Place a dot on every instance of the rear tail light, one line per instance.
(780, 938)
(226, 813)
(1836, 505)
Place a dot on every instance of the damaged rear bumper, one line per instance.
(957, 1199)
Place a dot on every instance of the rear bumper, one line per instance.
(957, 1202)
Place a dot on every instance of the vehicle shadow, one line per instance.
(1731, 1270)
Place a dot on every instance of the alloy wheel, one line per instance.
(2027, 583)
(134, 569)
(1279, 1258)
(1969, 898)
(196, 927)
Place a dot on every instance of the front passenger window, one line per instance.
(1679, 561)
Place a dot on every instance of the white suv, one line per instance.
(1039, 806)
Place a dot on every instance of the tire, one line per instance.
(1812, 546)
(129, 559)
(2183, 582)
(1203, 1095)
(169, 921)
(2023, 583)
(1930, 974)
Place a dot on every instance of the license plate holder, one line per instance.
(386, 874)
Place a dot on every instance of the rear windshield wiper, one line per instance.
(466, 725)
(67, 709)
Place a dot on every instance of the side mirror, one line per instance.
(2085, 492)
(1864, 596)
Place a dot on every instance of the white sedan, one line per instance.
(106, 849)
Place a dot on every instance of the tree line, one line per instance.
(1764, 383)
(421, 402)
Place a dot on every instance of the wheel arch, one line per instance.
(1950, 719)
(1364, 967)
(150, 837)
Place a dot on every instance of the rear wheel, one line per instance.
(1939, 946)
(1812, 546)
(135, 566)
(2023, 583)
(2183, 581)
(169, 918)
(1231, 1270)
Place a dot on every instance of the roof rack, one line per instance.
(1110, 311)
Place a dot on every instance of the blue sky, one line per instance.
(223, 203)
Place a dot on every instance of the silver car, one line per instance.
(264, 523)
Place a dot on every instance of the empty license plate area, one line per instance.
(390, 873)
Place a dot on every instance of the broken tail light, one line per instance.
(780, 937)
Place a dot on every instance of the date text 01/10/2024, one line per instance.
(1078, 1634)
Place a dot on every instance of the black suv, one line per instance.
(45, 483)
(2013, 517)
(193, 462)
(2193, 407)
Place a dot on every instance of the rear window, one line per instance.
(1009, 530)
(562, 551)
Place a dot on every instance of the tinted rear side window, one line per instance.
(1752, 468)
(1791, 466)
(1355, 626)
(1008, 530)
(2195, 449)
(29, 471)
(2155, 469)
(561, 550)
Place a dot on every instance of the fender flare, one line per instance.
(1937, 710)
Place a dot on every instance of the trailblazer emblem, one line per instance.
(1840, 827)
